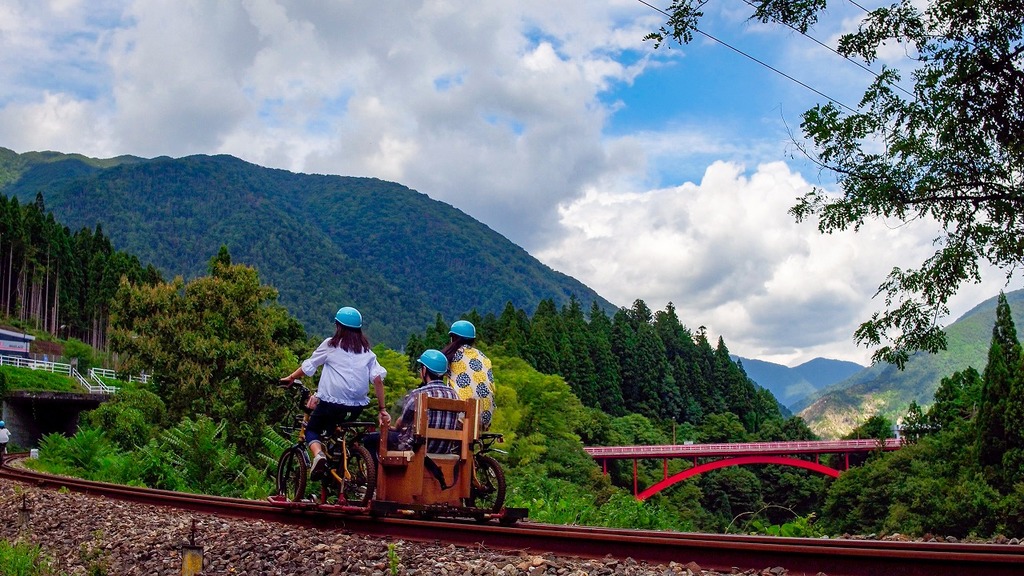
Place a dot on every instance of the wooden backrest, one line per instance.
(469, 414)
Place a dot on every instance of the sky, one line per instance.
(662, 175)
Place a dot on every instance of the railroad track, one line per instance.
(711, 551)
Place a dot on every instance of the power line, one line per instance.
(751, 57)
(854, 2)
(833, 50)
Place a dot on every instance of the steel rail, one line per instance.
(835, 557)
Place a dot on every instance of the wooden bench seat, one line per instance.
(403, 476)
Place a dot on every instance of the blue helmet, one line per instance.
(434, 361)
(349, 317)
(463, 328)
(2, 424)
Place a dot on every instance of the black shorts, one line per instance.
(327, 415)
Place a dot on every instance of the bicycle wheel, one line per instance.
(291, 474)
(362, 481)
(488, 491)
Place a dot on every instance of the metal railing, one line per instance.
(107, 373)
(97, 383)
(743, 448)
(94, 384)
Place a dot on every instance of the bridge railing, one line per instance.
(683, 450)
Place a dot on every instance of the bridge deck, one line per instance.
(741, 449)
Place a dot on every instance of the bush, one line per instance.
(75, 348)
(129, 418)
(88, 454)
(929, 487)
(624, 511)
(202, 457)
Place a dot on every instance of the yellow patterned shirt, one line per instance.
(469, 373)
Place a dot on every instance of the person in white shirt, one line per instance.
(5, 437)
(348, 367)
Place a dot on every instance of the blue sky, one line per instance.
(657, 175)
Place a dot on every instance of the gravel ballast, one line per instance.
(83, 534)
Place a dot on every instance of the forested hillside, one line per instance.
(322, 241)
(883, 389)
(637, 361)
(57, 281)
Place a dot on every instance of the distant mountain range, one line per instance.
(791, 385)
(322, 241)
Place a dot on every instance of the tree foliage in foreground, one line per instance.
(949, 150)
(215, 345)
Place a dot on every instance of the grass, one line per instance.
(23, 559)
(38, 380)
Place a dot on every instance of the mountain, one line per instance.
(790, 385)
(883, 389)
(322, 241)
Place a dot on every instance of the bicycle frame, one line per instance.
(338, 446)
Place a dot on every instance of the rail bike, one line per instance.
(467, 483)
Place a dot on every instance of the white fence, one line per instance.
(105, 373)
(94, 384)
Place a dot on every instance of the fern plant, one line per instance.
(274, 443)
(201, 454)
(88, 454)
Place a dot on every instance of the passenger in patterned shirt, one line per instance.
(432, 366)
(470, 371)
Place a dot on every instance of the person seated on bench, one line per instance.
(432, 366)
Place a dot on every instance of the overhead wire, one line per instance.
(854, 2)
(833, 50)
(755, 59)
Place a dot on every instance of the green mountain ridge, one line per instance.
(885, 390)
(322, 241)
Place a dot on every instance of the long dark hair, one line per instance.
(349, 339)
(453, 346)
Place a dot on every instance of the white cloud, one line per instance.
(727, 254)
(58, 121)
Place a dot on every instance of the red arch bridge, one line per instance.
(717, 456)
